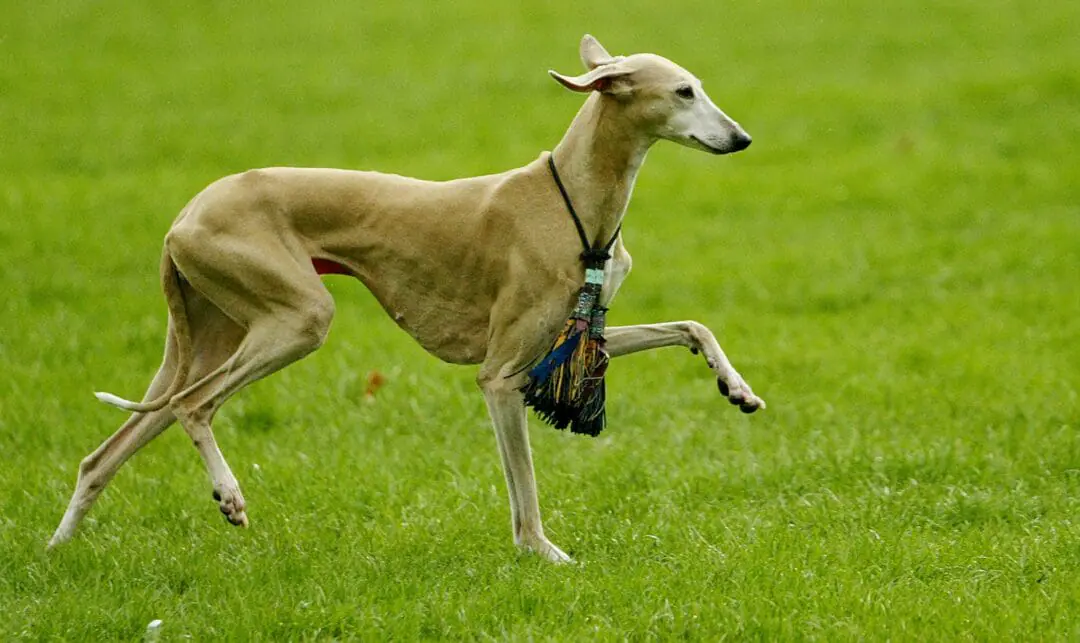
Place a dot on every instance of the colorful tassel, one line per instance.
(591, 418)
(567, 387)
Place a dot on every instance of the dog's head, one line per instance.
(666, 100)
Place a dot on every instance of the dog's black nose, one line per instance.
(742, 141)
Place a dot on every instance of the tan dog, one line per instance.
(479, 270)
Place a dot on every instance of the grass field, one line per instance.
(893, 266)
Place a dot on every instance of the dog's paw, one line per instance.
(61, 536)
(543, 547)
(738, 392)
(231, 504)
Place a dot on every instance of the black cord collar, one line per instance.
(591, 253)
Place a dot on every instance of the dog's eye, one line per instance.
(686, 91)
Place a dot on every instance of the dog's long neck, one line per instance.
(598, 160)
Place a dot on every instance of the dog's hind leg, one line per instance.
(623, 340)
(271, 344)
(98, 468)
(270, 290)
(214, 338)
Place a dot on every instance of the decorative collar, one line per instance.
(591, 253)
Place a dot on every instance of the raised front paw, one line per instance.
(231, 504)
(738, 392)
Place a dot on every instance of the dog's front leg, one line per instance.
(506, 405)
(623, 340)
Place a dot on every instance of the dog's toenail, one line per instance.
(722, 385)
(748, 407)
(217, 496)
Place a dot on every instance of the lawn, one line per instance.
(892, 266)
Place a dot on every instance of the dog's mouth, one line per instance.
(708, 148)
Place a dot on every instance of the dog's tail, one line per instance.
(174, 296)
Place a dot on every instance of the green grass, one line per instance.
(892, 265)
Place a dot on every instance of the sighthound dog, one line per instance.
(479, 270)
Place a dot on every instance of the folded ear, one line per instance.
(608, 79)
(593, 53)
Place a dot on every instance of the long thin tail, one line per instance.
(174, 297)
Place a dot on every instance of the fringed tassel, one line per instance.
(591, 418)
(566, 389)
(555, 382)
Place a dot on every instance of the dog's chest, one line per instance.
(615, 272)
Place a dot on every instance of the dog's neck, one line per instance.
(598, 160)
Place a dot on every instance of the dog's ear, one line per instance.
(608, 79)
(593, 53)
